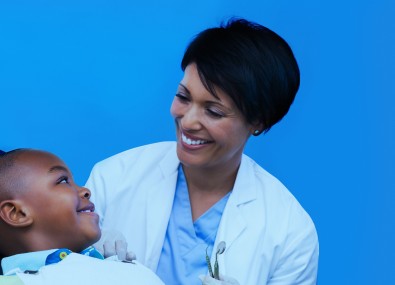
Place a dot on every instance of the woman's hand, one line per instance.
(113, 244)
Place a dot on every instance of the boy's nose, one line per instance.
(85, 193)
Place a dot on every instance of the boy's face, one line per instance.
(62, 214)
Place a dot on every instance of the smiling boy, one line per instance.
(41, 207)
(45, 216)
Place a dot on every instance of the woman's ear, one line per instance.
(257, 129)
(15, 214)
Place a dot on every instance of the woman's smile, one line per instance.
(191, 141)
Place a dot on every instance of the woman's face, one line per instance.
(211, 132)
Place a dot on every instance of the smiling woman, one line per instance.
(211, 131)
(180, 200)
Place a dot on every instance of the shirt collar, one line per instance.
(24, 261)
(33, 261)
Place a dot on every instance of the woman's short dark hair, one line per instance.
(251, 64)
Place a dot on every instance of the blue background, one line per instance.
(88, 79)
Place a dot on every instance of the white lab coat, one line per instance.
(269, 237)
(82, 269)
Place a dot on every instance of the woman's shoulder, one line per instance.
(136, 163)
(261, 176)
(154, 151)
(270, 189)
(138, 160)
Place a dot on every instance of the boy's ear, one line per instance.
(15, 214)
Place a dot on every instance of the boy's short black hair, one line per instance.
(251, 64)
(7, 181)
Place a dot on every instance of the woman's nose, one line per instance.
(190, 119)
(84, 193)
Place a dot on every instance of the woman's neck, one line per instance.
(207, 180)
(206, 186)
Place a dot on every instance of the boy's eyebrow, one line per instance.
(57, 168)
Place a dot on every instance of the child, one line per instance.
(44, 217)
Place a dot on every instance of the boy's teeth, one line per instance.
(191, 142)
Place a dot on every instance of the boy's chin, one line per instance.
(90, 239)
(97, 237)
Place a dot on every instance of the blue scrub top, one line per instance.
(183, 256)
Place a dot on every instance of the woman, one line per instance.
(174, 201)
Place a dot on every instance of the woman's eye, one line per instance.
(182, 97)
(215, 114)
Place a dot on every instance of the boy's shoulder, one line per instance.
(10, 280)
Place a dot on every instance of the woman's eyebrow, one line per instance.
(184, 87)
(57, 168)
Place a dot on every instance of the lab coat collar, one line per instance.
(244, 189)
(159, 207)
(169, 163)
(232, 222)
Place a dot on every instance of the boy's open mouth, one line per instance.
(87, 209)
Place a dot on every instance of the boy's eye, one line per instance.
(63, 180)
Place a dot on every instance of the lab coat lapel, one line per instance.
(158, 208)
(232, 222)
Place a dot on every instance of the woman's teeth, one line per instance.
(188, 141)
